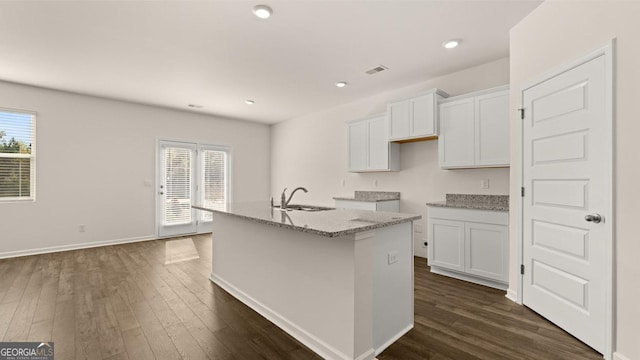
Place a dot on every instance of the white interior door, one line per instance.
(176, 184)
(567, 172)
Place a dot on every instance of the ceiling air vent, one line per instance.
(376, 69)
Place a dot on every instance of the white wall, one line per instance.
(311, 151)
(93, 156)
(561, 31)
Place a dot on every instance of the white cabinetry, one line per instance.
(471, 245)
(386, 205)
(369, 146)
(474, 130)
(456, 144)
(415, 118)
(446, 244)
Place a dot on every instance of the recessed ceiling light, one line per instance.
(249, 102)
(341, 84)
(262, 11)
(450, 44)
(195, 106)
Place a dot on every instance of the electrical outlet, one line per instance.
(375, 183)
(392, 257)
(342, 182)
(82, 228)
(484, 184)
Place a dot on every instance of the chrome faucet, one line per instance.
(283, 197)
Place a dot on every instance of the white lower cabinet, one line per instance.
(446, 244)
(471, 245)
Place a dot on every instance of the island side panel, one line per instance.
(302, 282)
(393, 284)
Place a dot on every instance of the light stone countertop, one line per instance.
(329, 223)
(473, 201)
(372, 196)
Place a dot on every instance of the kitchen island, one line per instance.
(340, 281)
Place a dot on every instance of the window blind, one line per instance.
(17, 155)
(214, 165)
(177, 166)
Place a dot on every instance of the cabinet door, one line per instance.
(446, 244)
(398, 114)
(358, 146)
(492, 129)
(378, 144)
(487, 251)
(456, 143)
(423, 116)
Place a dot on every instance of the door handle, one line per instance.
(594, 218)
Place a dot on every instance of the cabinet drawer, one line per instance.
(480, 216)
(388, 205)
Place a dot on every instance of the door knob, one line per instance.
(595, 218)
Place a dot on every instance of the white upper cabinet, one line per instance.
(474, 130)
(358, 146)
(415, 118)
(369, 146)
(492, 129)
(378, 144)
(456, 143)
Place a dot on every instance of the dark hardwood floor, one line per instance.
(154, 300)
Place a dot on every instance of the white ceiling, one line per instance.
(218, 54)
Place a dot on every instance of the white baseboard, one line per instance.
(618, 356)
(394, 339)
(469, 278)
(512, 295)
(320, 347)
(53, 249)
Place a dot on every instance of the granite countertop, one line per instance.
(329, 223)
(372, 196)
(478, 202)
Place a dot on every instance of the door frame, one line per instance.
(200, 145)
(608, 51)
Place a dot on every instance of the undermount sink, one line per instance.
(304, 208)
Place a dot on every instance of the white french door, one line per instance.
(189, 174)
(567, 204)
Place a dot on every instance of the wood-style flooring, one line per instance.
(154, 300)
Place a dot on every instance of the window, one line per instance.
(17, 155)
